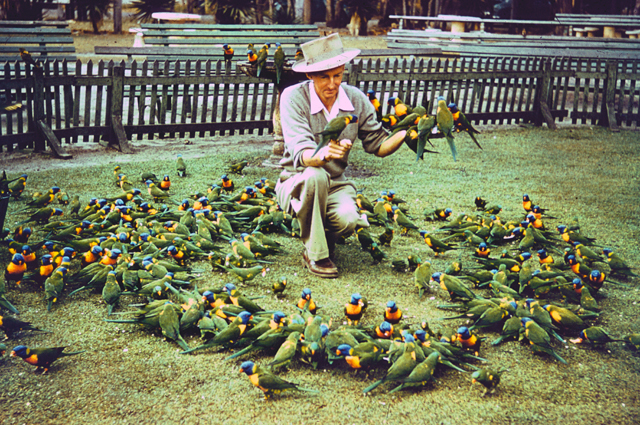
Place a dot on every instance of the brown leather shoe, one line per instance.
(323, 268)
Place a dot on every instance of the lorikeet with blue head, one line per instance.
(41, 357)
(228, 53)
(596, 336)
(268, 382)
(488, 378)
(371, 94)
(354, 309)
(333, 129)
(539, 339)
(462, 123)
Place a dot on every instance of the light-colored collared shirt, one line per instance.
(342, 103)
(302, 124)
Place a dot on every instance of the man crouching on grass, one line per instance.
(313, 188)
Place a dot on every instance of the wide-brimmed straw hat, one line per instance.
(324, 53)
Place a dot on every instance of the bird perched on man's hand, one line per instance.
(333, 129)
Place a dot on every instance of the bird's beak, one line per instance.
(13, 354)
(473, 381)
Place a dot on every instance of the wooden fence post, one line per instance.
(608, 108)
(354, 73)
(38, 106)
(118, 137)
(43, 131)
(542, 95)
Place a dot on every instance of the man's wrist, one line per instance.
(317, 160)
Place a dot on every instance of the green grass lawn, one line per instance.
(131, 375)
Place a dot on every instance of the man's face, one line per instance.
(327, 84)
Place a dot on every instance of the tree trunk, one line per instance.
(429, 8)
(384, 19)
(364, 30)
(564, 6)
(95, 20)
(338, 14)
(306, 12)
(260, 6)
(383, 8)
(291, 10)
(117, 16)
(329, 14)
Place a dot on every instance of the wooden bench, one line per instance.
(610, 25)
(34, 24)
(43, 40)
(213, 36)
(633, 33)
(152, 53)
(589, 31)
(171, 17)
(489, 44)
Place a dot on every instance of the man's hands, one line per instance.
(334, 150)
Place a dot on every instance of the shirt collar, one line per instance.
(342, 102)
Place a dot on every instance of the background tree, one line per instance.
(281, 12)
(232, 11)
(306, 11)
(21, 10)
(365, 10)
(144, 8)
(96, 10)
(336, 16)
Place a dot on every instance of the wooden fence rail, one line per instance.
(114, 102)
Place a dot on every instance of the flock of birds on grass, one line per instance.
(125, 245)
(537, 283)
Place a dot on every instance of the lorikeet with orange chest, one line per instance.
(41, 357)
(268, 382)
